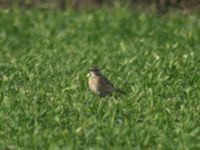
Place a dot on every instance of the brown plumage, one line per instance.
(99, 84)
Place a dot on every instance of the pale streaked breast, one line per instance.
(94, 84)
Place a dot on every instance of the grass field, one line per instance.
(45, 102)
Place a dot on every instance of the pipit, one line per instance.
(99, 84)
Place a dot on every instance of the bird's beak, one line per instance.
(88, 75)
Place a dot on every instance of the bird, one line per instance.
(99, 84)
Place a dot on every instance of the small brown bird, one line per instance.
(99, 84)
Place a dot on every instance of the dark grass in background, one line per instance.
(160, 5)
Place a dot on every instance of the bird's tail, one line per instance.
(120, 91)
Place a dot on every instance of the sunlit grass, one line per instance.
(45, 102)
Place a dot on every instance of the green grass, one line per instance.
(45, 102)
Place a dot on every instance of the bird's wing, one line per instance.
(105, 86)
(106, 81)
(111, 86)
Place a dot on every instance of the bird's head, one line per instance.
(93, 72)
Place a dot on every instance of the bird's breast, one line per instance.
(94, 84)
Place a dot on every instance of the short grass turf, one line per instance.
(45, 102)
